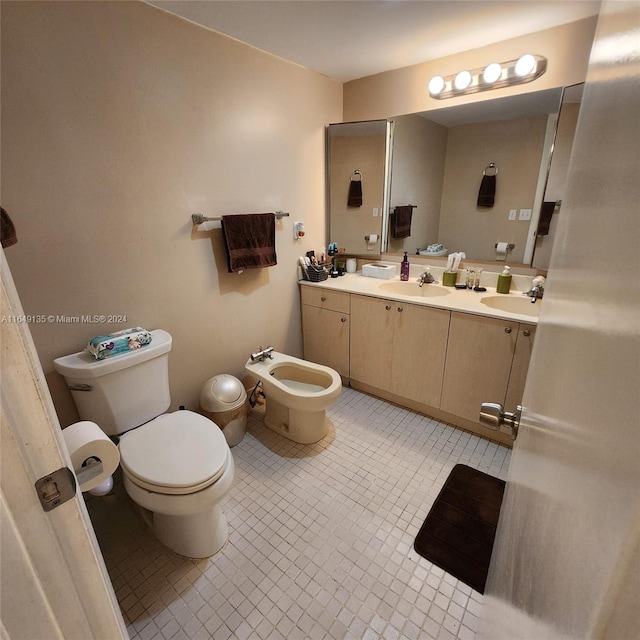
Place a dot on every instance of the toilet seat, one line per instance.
(177, 453)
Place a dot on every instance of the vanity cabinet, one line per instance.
(326, 328)
(487, 361)
(399, 347)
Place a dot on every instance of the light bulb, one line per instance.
(462, 80)
(526, 64)
(492, 73)
(436, 85)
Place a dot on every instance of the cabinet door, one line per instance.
(419, 348)
(479, 356)
(371, 340)
(520, 366)
(325, 336)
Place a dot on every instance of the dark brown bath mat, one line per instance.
(459, 530)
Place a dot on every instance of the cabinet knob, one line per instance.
(387, 307)
(507, 329)
(323, 299)
(343, 319)
(526, 333)
(399, 309)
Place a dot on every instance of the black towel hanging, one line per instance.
(487, 192)
(355, 190)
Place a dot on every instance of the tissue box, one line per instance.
(102, 347)
(378, 270)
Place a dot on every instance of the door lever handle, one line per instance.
(494, 416)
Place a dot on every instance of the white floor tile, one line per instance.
(321, 538)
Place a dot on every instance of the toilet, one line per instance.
(298, 394)
(176, 466)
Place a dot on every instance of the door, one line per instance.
(372, 326)
(419, 349)
(479, 357)
(54, 583)
(566, 561)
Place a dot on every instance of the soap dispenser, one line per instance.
(504, 281)
(404, 268)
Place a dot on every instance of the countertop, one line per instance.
(511, 306)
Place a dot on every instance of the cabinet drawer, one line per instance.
(325, 299)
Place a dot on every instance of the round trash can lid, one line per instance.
(221, 393)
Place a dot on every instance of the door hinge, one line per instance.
(56, 488)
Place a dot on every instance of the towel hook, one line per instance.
(358, 176)
(491, 165)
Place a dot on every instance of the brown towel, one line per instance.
(546, 211)
(487, 191)
(355, 193)
(401, 222)
(7, 230)
(250, 240)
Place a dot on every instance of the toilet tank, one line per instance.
(123, 391)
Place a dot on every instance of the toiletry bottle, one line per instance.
(504, 281)
(404, 268)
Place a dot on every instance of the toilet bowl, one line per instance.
(176, 466)
(298, 394)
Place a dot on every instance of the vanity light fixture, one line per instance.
(496, 75)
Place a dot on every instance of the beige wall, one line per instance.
(118, 122)
(403, 91)
(419, 151)
(515, 146)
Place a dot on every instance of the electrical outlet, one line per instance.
(525, 214)
(512, 214)
(375, 212)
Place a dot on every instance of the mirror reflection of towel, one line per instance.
(7, 230)
(546, 211)
(401, 222)
(250, 240)
(355, 193)
(487, 192)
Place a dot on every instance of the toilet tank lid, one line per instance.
(84, 365)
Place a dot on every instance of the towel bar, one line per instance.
(198, 218)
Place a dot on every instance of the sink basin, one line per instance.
(414, 290)
(512, 304)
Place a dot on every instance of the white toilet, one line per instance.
(298, 394)
(176, 466)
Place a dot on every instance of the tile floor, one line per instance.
(321, 542)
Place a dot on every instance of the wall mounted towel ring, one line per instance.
(356, 176)
(492, 167)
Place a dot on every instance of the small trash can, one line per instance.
(223, 399)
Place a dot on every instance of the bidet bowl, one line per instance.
(513, 304)
(414, 290)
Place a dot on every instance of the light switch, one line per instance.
(512, 214)
(375, 212)
(525, 214)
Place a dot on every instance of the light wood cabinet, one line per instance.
(520, 366)
(484, 364)
(326, 328)
(399, 347)
(443, 363)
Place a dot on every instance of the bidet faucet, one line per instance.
(537, 289)
(262, 354)
(425, 277)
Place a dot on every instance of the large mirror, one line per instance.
(358, 170)
(436, 162)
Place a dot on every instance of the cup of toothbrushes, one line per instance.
(449, 278)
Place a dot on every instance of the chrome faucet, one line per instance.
(262, 354)
(425, 277)
(537, 289)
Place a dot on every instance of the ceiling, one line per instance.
(346, 40)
